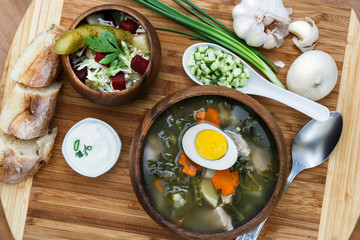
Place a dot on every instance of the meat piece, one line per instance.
(227, 199)
(223, 218)
(241, 144)
(261, 159)
(216, 220)
(153, 149)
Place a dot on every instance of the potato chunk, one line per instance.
(142, 43)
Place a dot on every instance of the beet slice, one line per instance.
(81, 74)
(129, 25)
(99, 56)
(139, 64)
(118, 81)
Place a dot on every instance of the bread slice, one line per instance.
(39, 65)
(20, 159)
(28, 111)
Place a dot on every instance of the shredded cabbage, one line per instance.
(99, 76)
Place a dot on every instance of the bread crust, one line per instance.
(15, 167)
(27, 113)
(39, 65)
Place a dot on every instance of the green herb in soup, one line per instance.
(198, 198)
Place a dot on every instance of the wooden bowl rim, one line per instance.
(158, 109)
(152, 35)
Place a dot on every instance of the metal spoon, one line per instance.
(259, 86)
(311, 147)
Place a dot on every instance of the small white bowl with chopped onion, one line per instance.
(91, 147)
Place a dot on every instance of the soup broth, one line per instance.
(192, 201)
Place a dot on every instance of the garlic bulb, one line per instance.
(312, 75)
(261, 22)
(306, 34)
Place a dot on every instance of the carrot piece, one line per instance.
(211, 115)
(226, 180)
(197, 166)
(159, 186)
(189, 167)
(235, 176)
(200, 115)
(216, 182)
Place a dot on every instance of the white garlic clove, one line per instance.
(275, 36)
(270, 42)
(256, 39)
(300, 29)
(239, 10)
(242, 27)
(306, 33)
(256, 36)
(250, 5)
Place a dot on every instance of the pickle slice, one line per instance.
(73, 40)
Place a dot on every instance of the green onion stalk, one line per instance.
(213, 32)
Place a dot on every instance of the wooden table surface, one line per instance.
(12, 11)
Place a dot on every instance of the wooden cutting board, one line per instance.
(59, 203)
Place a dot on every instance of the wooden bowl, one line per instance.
(157, 110)
(141, 85)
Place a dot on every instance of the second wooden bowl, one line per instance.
(137, 175)
(123, 96)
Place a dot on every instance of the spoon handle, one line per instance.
(258, 86)
(296, 168)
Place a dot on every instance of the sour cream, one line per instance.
(91, 147)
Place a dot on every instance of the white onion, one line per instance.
(312, 75)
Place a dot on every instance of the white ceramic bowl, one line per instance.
(92, 166)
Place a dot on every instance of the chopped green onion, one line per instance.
(76, 145)
(87, 148)
(79, 154)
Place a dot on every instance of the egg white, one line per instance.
(188, 144)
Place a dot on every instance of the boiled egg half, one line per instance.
(209, 147)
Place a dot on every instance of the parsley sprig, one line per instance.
(105, 43)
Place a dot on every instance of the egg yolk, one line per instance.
(211, 144)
